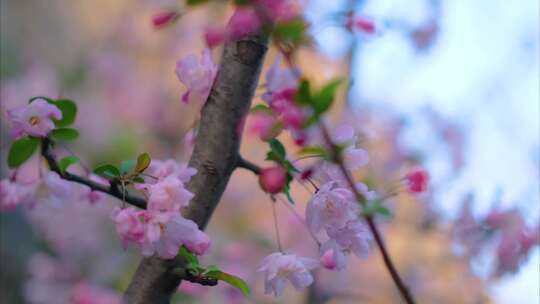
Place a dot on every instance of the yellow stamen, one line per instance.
(34, 120)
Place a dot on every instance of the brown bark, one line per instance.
(215, 156)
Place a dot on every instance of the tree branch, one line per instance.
(404, 291)
(246, 164)
(215, 156)
(112, 189)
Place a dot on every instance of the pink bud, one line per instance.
(417, 180)
(328, 259)
(365, 26)
(272, 179)
(244, 21)
(214, 36)
(163, 19)
(199, 244)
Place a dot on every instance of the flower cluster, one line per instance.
(282, 112)
(279, 267)
(161, 228)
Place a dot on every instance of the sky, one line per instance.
(483, 74)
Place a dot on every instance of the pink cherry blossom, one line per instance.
(280, 10)
(244, 21)
(417, 180)
(332, 256)
(273, 179)
(214, 36)
(197, 76)
(353, 237)
(280, 83)
(160, 169)
(332, 206)
(165, 232)
(34, 119)
(168, 194)
(10, 197)
(128, 225)
(279, 267)
(264, 125)
(163, 19)
(361, 24)
(355, 158)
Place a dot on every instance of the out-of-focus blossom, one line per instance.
(332, 256)
(353, 237)
(214, 36)
(361, 24)
(264, 125)
(280, 10)
(244, 21)
(160, 169)
(128, 225)
(273, 179)
(279, 267)
(355, 158)
(331, 206)
(163, 19)
(417, 180)
(84, 293)
(95, 196)
(280, 83)
(197, 75)
(13, 194)
(34, 119)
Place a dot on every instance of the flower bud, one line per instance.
(417, 180)
(273, 179)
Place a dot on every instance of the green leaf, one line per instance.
(138, 179)
(303, 95)
(260, 108)
(211, 268)
(21, 150)
(230, 279)
(376, 207)
(126, 166)
(277, 148)
(188, 256)
(287, 191)
(143, 161)
(63, 134)
(313, 151)
(69, 112)
(65, 162)
(196, 2)
(324, 98)
(382, 210)
(290, 31)
(107, 171)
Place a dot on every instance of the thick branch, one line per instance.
(112, 189)
(215, 156)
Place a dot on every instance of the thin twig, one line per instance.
(405, 293)
(245, 164)
(111, 189)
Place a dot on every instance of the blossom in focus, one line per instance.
(332, 206)
(279, 267)
(244, 21)
(197, 75)
(165, 232)
(168, 194)
(417, 180)
(34, 119)
(273, 179)
(128, 225)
